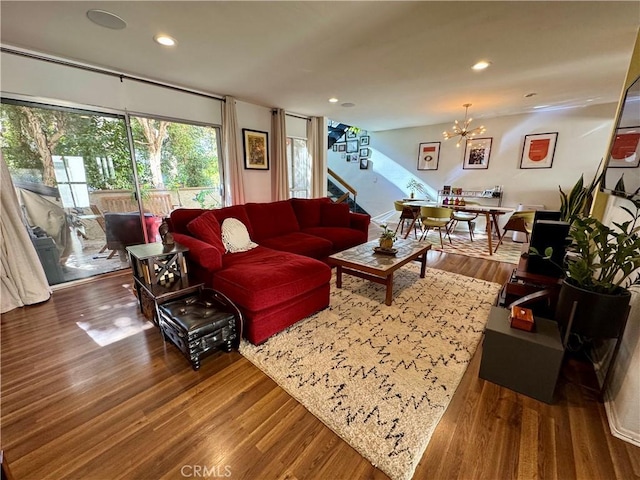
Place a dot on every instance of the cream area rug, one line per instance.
(509, 251)
(461, 244)
(382, 376)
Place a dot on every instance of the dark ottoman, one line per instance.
(201, 324)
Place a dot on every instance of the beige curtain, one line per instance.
(232, 148)
(279, 171)
(22, 279)
(317, 147)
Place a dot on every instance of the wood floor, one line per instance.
(134, 409)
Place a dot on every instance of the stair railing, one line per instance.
(349, 189)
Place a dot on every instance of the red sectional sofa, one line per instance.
(285, 278)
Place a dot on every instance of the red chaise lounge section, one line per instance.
(285, 278)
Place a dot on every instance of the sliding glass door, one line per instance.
(178, 166)
(74, 175)
(61, 161)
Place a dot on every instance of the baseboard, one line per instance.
(600, 360)
(614, 424)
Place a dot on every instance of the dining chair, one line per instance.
(518, 222)
(435, 217)
(468, 217)
(407, 213)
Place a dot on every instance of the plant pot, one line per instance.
(386, 243)
(598, 315)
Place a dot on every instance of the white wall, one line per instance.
(623, 394)
(40, 81)
(257, 183)
(71, 86)
(583, 134)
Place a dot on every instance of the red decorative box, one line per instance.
(522, 318)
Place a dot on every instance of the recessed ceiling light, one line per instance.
(165, 40)
(333, 100)
(540, 106)
(348, 104)
(481, 65)
(106, 19)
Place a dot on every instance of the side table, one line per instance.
(160, 273)
(527, 362)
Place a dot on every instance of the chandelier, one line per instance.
(463, 130)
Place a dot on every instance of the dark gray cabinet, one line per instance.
(526, 362)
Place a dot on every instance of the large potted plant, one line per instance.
(600, 264)
(578, 201)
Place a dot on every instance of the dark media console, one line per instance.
(545, 234)
(535, 273)
(523, 282)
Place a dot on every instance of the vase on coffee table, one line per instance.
(386, 243)
(387, 238)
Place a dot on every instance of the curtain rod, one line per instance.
(110, 73)
(304, 117)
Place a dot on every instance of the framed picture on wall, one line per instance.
(256, 149)
(428, 156)
(364, 152)
(353, 157)
(342, 146)
(625, 151)
(538, 150)
(352, 146)
(364, 163)
(364, 141)
(476, 153)
(335, 147)
(351, 134)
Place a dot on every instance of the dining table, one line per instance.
(490, 212)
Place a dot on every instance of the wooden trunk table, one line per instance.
(362, 261)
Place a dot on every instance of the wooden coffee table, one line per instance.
(361, 261)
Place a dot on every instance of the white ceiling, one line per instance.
(401, 63)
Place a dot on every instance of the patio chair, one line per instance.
(100, 220)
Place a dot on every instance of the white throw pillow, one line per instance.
(235, 236)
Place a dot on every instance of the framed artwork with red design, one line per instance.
(538, 150)
(428, 156)
(625, 151)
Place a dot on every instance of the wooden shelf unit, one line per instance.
(472, 195)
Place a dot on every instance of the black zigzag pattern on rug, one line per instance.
(382, 376)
